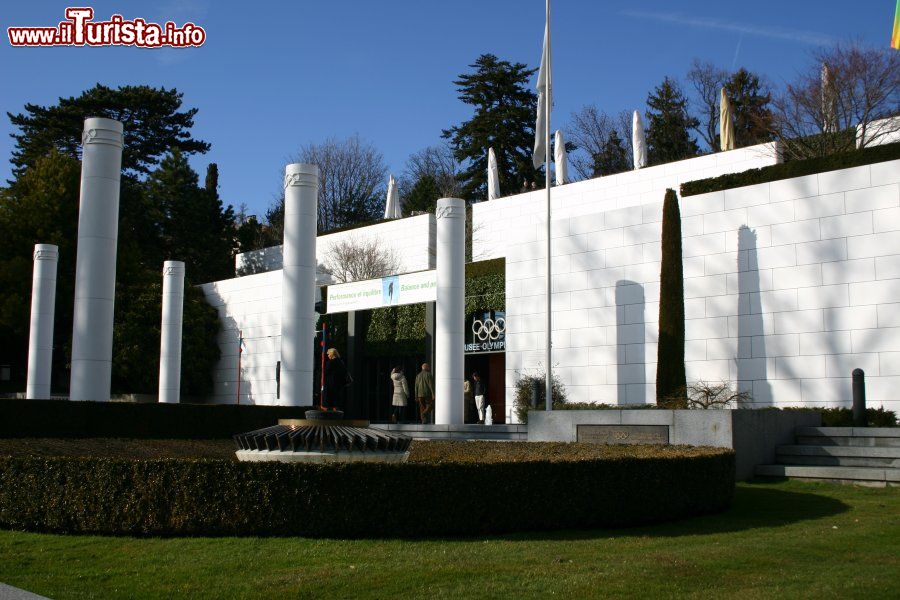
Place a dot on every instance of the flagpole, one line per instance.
(549, 377)
(240, 352)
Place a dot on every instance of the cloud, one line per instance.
(812, 38)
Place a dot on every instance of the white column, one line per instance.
(170, 331)
(40, 338)
(95, 266)
(449, 318)
(298, 284)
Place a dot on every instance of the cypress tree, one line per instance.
(671, 381)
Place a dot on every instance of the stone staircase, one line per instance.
(867, 456)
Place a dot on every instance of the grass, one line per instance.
(781, 539)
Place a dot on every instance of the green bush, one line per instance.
(797, 168)
(217, 497)
(65, 419)
(523, 394)
(843, 417)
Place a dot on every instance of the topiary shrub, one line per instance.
(671, 384)
(469, 489)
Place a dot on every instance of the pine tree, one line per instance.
(504, 119)
(750, 103)
(195, 227)
(423, 196)
(671, 381)
(153, 120)
(612, 158)
(669, 125)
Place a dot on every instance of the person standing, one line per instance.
(425, 394)
(335, 380)
(401, 394)
(468, 401)
(480, 402)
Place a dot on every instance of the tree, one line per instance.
(750, 99)
(152, 117)
(707, 81)
(423, 196)
(669, 125)
(864, 91)
(40, 206)
(436, 162)
(352, 180)
(195, 227)
(589, 130)
(356, 260)
(612, 157)
(505, 109)
(671, 380)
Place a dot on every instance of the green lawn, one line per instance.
(781, 539)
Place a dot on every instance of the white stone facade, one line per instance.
(405, 237)
(788, 287)
(252, 304)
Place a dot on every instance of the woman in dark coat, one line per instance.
(335, 380)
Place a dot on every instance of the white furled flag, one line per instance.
(392, 203)
(559, 159)
(493, 176)
(543, 87)
(726, 123)
(638, 141)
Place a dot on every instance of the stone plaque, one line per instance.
(623, 434)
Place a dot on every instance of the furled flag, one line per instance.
(726, 123)
(895, 37)
(392, 203)
(559, 159)
(241, 345)
(544, 89)
(638, 141)
(493, 180)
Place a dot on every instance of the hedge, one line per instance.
(178, 497)
(68, 419)
(797, 168)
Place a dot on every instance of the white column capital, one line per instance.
(302, 175)
(98, 130)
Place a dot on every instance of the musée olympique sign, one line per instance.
(485, 331)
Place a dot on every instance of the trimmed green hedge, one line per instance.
(216, 497)
(797, 168)
(67, 419)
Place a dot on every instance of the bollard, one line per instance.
(535, 393)
(860, 419)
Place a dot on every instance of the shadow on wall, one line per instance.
(228, 367)
(752, 369)
(631, 359)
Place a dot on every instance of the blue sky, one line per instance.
(275, 75)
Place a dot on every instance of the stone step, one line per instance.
(879, 437)
(878, 477)
(847, 456)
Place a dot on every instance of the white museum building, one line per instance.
(789, 286)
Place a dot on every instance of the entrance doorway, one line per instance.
(492, 369)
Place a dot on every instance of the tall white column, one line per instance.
(40, 338)
(298, 283)
(170, 331)
(449, 317)
(95, 266)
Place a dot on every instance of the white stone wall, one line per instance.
(788, 287)
(411, 239)
(251, 304)
(496, 223)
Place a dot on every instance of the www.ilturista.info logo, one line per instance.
(79, 30)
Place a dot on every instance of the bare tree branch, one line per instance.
(356, 260)
(589, 129)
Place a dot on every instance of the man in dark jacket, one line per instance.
(335, 380)
(425, 394)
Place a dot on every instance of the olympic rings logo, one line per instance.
(489, 329)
